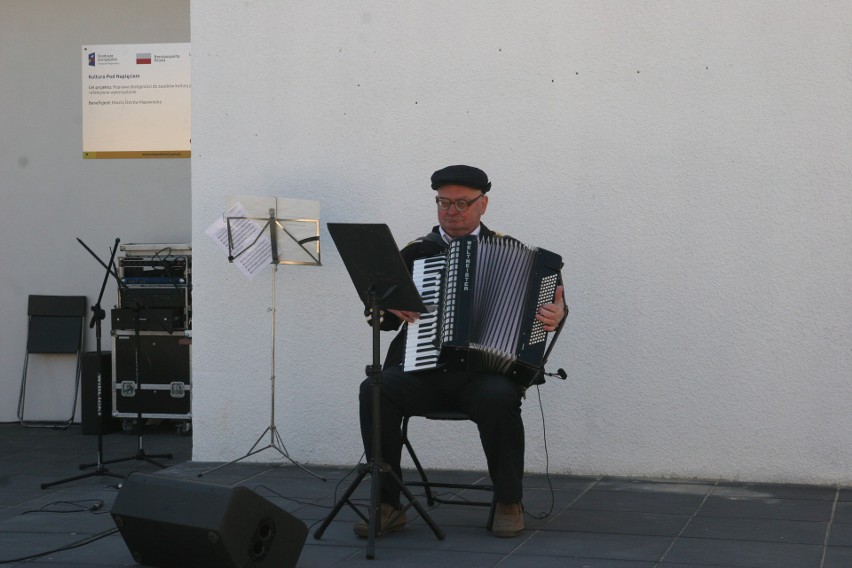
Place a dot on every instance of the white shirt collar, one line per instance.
(447, 238)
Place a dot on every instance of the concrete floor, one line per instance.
(571, 521)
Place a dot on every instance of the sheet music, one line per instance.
(250, 258)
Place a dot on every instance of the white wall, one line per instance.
(51, 196)
(689, 160)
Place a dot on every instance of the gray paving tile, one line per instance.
(665, 564)
(314, 556)
(841, 535)
(746, 554)
(843, 513)
(618, 522)
(688, 487)
(790, 509)
(17, 497)
(561, 562)
(469, 539)
(775, 491)
(557, 482)
(423, 558)
(107, 552)
(756, 529)
(670, 503)
(837, 557)
(594, 545)
(447, 516)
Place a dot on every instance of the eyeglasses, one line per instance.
(461, 204)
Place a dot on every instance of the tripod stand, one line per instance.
(97, 316)
(383, 282)
(275, 441)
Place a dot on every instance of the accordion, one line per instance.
(485, 294)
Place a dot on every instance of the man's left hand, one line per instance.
(551, 314)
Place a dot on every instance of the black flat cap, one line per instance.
(467, 176)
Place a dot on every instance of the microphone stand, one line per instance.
(98, 315)
(140, 454)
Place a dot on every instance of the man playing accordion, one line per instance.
(491, 400)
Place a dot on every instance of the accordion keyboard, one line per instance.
(420, 342)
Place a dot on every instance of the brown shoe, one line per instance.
(391, 520)
(508, 520)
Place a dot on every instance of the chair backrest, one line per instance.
(56, 324)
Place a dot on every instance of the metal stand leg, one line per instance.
(376, 466)
(275, 441)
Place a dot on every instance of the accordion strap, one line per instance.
(539, 379)
(435, 238)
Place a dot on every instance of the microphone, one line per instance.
(559, 373)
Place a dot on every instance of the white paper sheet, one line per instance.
(251, 251)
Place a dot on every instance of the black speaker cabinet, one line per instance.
(164, 389)
(96, 399)
(177, 523)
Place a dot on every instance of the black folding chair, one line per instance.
(57, 325)
(428, 485)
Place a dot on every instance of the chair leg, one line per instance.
(490, 523)
(23, 394)
(76, 387)
(424, 481)
(48, 423)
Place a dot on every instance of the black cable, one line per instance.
(334, 494)
(96, 504)
(291, 499)
(168, 261)
(71, 546)
(546, 462)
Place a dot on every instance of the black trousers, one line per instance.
(492, 401)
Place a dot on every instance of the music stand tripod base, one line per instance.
(275, 443)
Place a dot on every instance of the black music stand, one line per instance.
(383, 282)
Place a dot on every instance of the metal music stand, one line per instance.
(285, 234)
(383, 282)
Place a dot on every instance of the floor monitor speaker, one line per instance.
(172, 523)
